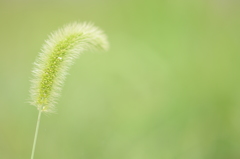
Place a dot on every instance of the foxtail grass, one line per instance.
(57, 55)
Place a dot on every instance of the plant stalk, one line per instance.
(36, 134)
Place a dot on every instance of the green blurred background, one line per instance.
(169, 87)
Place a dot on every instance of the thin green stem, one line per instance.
(36, 134)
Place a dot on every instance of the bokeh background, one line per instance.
(169, 87)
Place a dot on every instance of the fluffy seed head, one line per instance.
(57, 55)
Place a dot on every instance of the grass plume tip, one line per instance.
(57, 55)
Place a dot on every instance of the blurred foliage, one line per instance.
(167, 89)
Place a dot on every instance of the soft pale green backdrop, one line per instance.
(169, 88)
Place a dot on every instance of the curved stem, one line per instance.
(36, 134)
